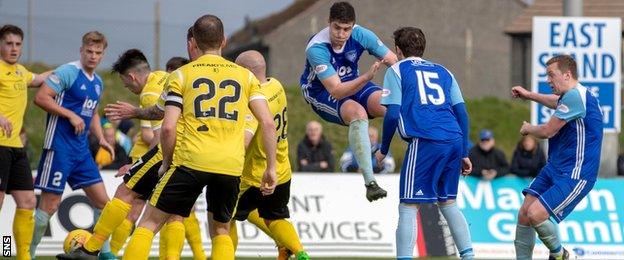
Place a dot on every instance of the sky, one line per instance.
(58, 25)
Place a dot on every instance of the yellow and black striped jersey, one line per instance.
(255, 158)
(213, 94)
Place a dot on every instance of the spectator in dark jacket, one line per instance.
(488, 162)
(314, 153)
(528, 158)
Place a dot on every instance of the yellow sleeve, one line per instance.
(29, 76)
(254, 88)
(174, 89)
(146, 100)
(161, 100)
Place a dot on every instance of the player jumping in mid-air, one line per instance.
(209, 98)
(15, 175)
(424, 100)
(269, 213)
(574, 134)
(70, 95)
(332, 86)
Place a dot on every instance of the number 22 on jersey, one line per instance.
(219, 111)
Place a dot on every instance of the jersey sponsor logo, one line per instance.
(344, 70)
(249, 118)
(83, 87)
(320, 68)
(385, 92)
(351, 55)
(54, 78)
(88, 107)
(563, 108)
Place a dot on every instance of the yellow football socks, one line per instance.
(254, 218)
(284, 232)
(193, 236)
(222, 248)
(234, 234)
(175, 239)
(162, 243)
(23, 228)
(121, 234)
(112, 216)
(139, 245)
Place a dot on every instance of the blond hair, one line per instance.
(94, 37)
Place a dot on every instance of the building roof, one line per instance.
(523, 24)
(254, 30)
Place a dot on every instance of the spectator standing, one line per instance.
(348, 163)
(528, 158)
(314, 153)
(488, 161)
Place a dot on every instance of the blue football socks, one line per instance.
(459, 230)
(361, 147)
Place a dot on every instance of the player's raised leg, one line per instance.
(356, 117)
(331, 83)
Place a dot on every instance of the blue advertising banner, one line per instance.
(593, 229)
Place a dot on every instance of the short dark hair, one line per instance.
(10, 29)
(176, 62)
(189, 33)
(565, 63)
(208, 32)
(342, 12)
(128, 60)
(411, 41)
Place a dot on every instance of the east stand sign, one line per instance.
(595, 43)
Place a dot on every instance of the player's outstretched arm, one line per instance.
(122, 110)
(260, 109)
(45, 99)
(340, 90)
(549, 100)
(545, 131)
(39, 79)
